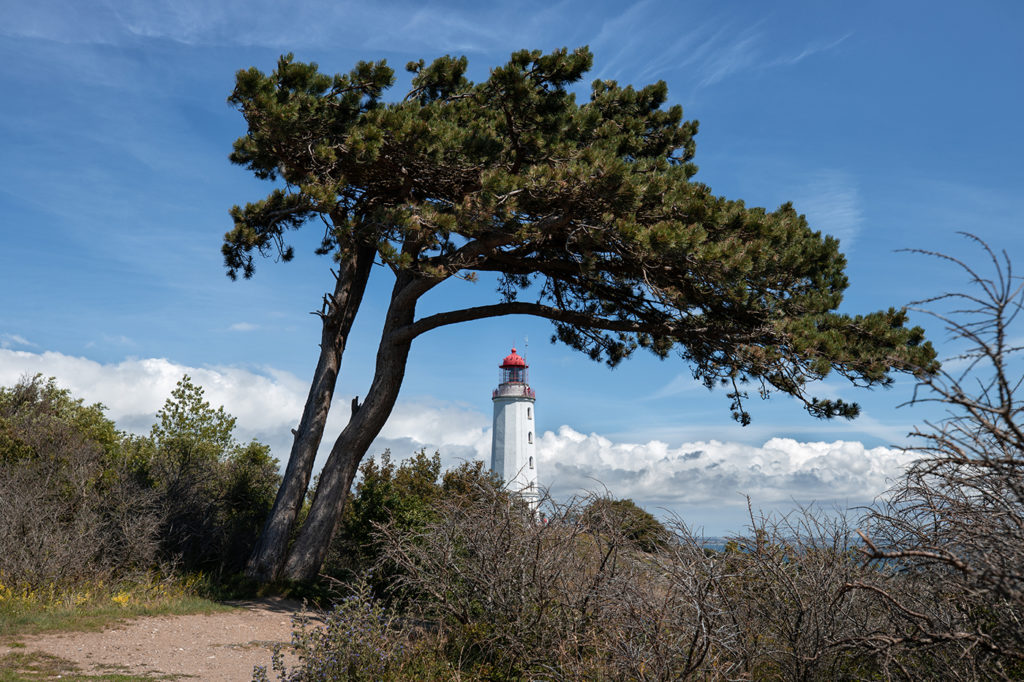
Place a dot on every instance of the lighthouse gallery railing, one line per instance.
(513, 391)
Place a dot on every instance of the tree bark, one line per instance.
(310, 548)
(268, 556)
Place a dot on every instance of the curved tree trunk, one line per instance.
(310, 549)
(268, 556)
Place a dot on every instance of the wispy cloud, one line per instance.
(112, 340)
(810, 50)
(677, 385)
(389, 25)
(718, 58)
(243, 327)
(641, 44)
(620, 38)
(831, 201)
(15, 340)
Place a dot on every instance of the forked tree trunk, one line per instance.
(268, 556)
(311, 546)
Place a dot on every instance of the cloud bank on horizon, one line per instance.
(689, 479)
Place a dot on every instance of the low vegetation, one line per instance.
(98, 525)
(927, 584)
(91, 605)
(441, 575)
(27, 666)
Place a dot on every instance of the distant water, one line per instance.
(715, 543)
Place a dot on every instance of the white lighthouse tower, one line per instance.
(513, 448)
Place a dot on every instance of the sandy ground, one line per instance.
(220, 647)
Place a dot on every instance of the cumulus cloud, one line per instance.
(265, 403)
(701, 480)
(701, 473)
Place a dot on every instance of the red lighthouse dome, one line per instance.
(513, 359)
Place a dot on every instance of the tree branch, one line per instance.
(409, 332)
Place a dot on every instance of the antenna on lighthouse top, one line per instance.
(526, 346)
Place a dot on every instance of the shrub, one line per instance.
(359, 639)
(68, 510)
(952, 528)
(515, 596)
(403, 495)
(81, 501)
(636, 525)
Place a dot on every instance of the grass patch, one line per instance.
(25, 610)
(35, 665)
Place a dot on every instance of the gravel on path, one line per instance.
(219, 647)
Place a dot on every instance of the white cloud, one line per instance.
(703, 480)
(243, 327)
(702, 473)
(266, 404)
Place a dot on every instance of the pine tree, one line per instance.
(587, 212)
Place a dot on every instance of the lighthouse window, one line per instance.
(531, 462)
(529, 437)
(529, 413)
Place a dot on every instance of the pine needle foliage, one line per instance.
(590, 209)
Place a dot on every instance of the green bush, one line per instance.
(81, 501)
(404, 495)
(624, 517)
(213, 492)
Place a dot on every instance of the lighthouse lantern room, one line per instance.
(513, 448)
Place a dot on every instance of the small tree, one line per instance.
(214, 492)
(189, 431)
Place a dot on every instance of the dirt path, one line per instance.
(219, 647)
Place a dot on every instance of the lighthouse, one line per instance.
(513, 438)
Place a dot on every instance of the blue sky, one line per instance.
(891, 125)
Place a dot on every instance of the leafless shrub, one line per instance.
(783, 591)
(65, 514)
(573, 598)
(662, 617)
(555, 598)
(951, 531)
